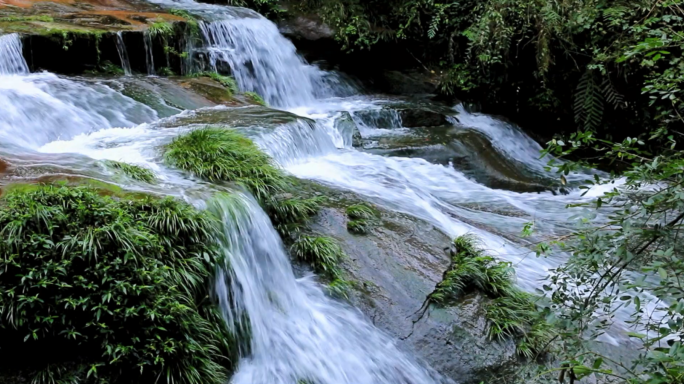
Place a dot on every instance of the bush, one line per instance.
(135, 172)
(110, 289)
(511, 313)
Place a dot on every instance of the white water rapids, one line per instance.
(298, 333)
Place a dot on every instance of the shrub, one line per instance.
(135, 172)
(511, 313)
(110, 289)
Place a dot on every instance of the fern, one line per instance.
(588, 102)
(613, 97)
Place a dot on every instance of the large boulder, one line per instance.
(394, 268)
(306, 27)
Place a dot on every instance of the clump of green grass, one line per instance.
(256, 98)
(160, 29)
(322, 253)
(190, 20)
(511, 313)
(362, 218)
(228, 82)
(135, 172)
(114, 289)
(219, 154)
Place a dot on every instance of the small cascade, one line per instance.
(297, 333)
(40, 108)
(261, 60)
(149, 55)
(377, 122)
(299, 140)
(11, 56)
(123, 54)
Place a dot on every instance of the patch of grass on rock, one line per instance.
(362, 218)
(511, 313)
(135, 172)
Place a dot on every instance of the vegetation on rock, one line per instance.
(109, 289)
(362, 218)
(255, 97)
(511, 313)
(135, 172)
(219, 154)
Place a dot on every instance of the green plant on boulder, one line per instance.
(190, 20)
(322, 253)
(362, 218)
(135, 172)
(218, 154)
(160, 28)
(256, 98)
(511, 313)
(109, 289)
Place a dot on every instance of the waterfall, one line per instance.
(149, 55)
(261, 60)
(123, 54)
(11, 57)
(297, 333)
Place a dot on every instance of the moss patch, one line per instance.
(113, 289)
(256, 98)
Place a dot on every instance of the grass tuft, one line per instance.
(256, 98)
(135, 172)
(362, 218)
(322, 253)
(511, 312)
(190, 20)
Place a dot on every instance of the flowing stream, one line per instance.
(298, 333)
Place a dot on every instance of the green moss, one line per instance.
(41, 18)
(226, 81)
(135, 172)
(511, 312)
(166, 71)
(256, 98)
(114, 289)
(190, 20)
(362, 218)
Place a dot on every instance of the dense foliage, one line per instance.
(558, 63)
(109, 290)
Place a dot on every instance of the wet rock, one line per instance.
(306, 27)
(395, 267)
(413, 83)
(422, 118)
(240, 117)
(350, 132)
(3, 166)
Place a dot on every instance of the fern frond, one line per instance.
(612, 96)
(588, 102)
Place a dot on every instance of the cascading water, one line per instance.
(11, 58)
(123, 54)
(149, 55)
(298, 334)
